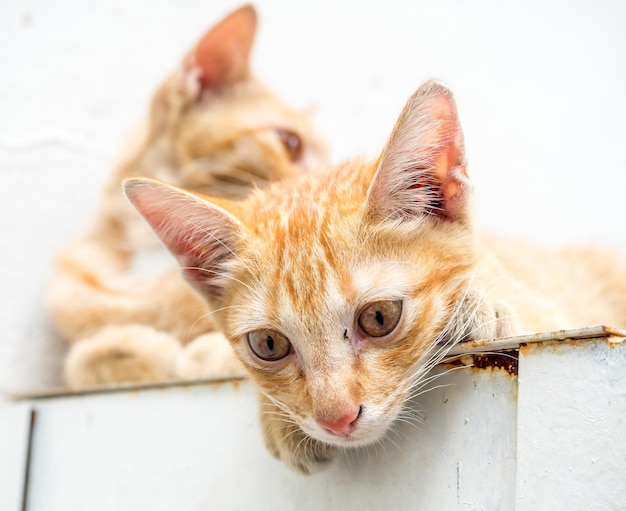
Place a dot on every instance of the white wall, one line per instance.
(540, 87)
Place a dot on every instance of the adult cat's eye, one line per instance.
(380, 318)
(269, 345)
(292, 143)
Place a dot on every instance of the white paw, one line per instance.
(208, 356)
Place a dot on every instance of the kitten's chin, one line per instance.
(352, 442)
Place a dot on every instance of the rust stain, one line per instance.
(509, 361)
(607, 334)
(506, 361)
(615, 341)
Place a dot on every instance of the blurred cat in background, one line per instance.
(211, 127)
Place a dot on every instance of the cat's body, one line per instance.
(211, 127)
(585, 285)
(340, 290)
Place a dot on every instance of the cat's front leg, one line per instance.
(288, 443)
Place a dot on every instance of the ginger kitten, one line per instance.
(211, 127)
(340, 290)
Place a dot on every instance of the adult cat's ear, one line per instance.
(218, 60)
(201, 235)
(422, 169)
(222, 55)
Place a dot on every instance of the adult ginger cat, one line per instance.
(211, 127)
(339, 290)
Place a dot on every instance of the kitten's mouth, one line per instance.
(352, 440)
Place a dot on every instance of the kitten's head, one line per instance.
(214, 128)
(336, 288)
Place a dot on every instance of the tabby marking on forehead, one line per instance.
(318, 252)
(342, 289)
(379, 280)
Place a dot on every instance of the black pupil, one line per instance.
(270, 343)
(380, 318)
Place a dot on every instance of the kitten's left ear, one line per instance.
(422, 169)
(202, 236)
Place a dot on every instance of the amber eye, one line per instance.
(380, 318)
(292, 143)
(269, 345)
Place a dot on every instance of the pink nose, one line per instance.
(344, 425)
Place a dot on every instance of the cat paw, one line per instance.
(208, 356)
(122, 354)
(288, 443)
(476, 317)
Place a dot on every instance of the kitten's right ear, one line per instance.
(222, 55)
(202, 236)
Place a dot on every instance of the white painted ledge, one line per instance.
(551, 437)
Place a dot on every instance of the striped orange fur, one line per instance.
(339, 290)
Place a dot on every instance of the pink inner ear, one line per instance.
(422, 169)
(199, 234)
(222, 55)
(448, 138)
(451, 169)
(448, 167)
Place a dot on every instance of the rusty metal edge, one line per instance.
(509, 343)
(108, 389)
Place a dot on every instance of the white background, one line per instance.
(541, 87)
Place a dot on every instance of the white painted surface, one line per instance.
(540, 85)
(572, 432)
(200, 448)
(553, 438)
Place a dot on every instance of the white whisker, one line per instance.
(210, 313)
(220, 274)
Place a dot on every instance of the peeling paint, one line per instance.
(509, 343)
(507, 361)
(611, 341)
